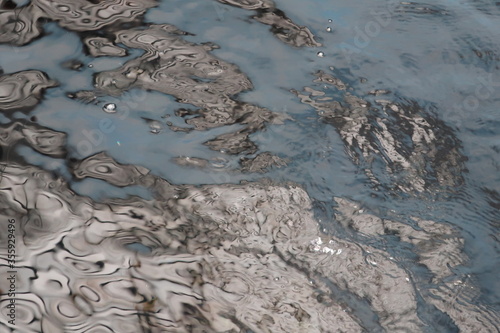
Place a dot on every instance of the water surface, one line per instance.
(267, 166)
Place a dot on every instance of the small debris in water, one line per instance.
(109, 108)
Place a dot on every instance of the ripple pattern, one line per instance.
(23, 90)
(419, 152)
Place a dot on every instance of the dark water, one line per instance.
(250, 166)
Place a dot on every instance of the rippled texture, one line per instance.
(100, 46)
(281, 26)
(242, 255)
(43, 140)
(419, 151)
(188, 72)
(440, 249)
(22, 24)
(23, 90)
(217, 259)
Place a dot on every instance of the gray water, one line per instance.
(396, 143)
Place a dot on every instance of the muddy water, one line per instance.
(249, 166)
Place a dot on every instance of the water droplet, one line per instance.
(328, 29)
(109, 108)
(321, 54)
(330, 20)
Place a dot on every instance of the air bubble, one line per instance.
(109, 108)
(330, 20)
(90, 65)
(320, 54)
(328, 29)
(155, 127)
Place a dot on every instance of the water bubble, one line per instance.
(328, 29)
(330, 20)
(63, 8)
(109, 108)
(155, 127)
(219, 163)
(320, 54)
(90, 65)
